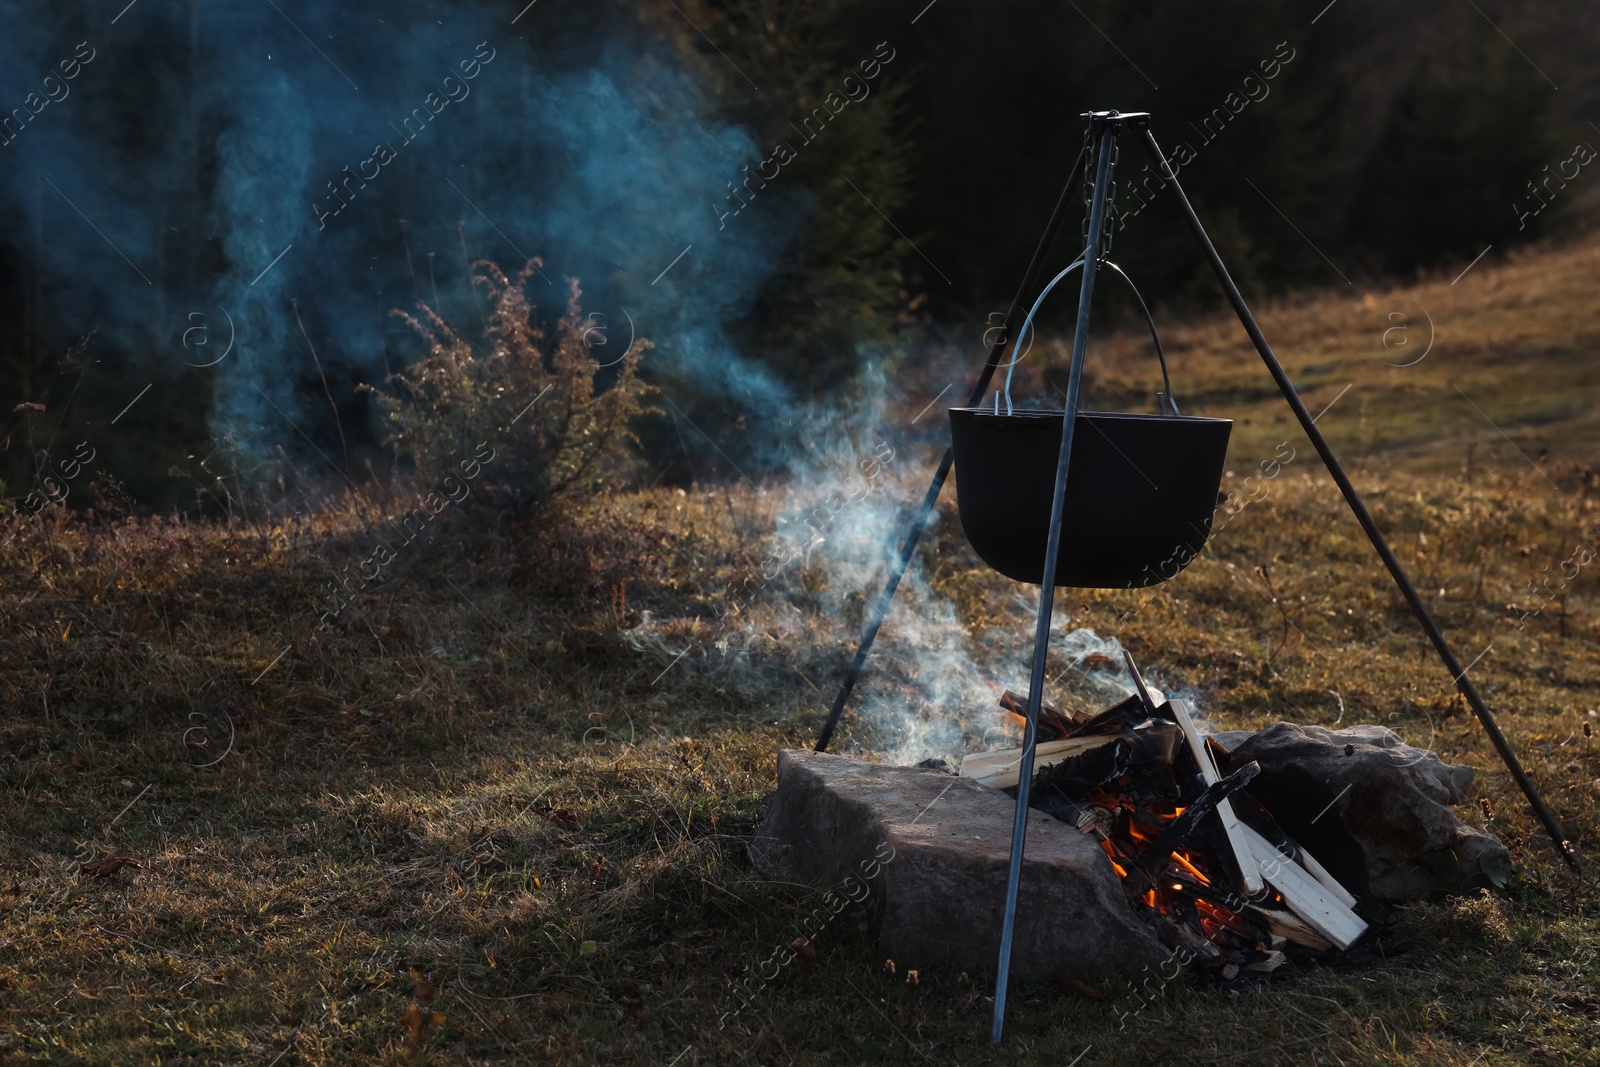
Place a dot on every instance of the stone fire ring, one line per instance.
(936, 850)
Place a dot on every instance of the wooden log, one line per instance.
(1230, 920)
(1051, 721)
(1123, 715)
(998, 770)
(1076, 776)
(1248, 868)
(1146, 870)
(1304, 895)
(1286, 926)
(1159, 741)
(1270, 962)
(1197, 942)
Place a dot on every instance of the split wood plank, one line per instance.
(1304, 895)
(1320, 873)
(1153, 698)
(1249, 871)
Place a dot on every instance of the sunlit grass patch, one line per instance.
(513, 786)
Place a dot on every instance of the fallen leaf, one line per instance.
(418, 1020)
(565, 818)
(105, 868)
(422, 989)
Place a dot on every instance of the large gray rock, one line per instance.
(1373, 809)
(945, 844)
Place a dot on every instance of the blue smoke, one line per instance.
(239, 156)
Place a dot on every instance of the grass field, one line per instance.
(495, 814)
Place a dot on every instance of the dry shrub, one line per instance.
(557, 419)
(1483, 918)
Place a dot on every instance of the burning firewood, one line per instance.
(1232, 891)
(999, 770)
(1075, 776)
(1146, 870)
(1197, 943)
(1230, 822)
(1121, 716)
(1053, 725)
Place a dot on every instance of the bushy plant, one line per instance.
(556, 416)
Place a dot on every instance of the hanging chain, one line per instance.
(1088, 190)
(1088, 179)
(1109, 224)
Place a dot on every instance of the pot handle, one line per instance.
(1166, 398)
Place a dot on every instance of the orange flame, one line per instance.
(1183, 862)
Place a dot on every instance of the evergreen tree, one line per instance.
(1470, 130)
(833, 99)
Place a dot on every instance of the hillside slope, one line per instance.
(1432, 368)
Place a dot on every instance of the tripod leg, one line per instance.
(1106, 131)
(1458, 674)
(880, 607)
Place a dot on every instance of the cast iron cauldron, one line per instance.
(1141, 490)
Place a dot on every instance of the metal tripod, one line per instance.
(1103, 127)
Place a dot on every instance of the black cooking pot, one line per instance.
(1141, 489)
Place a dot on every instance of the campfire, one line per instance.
(1120, 775)
(1201, 860)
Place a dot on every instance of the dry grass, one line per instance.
(1517, 337)
(473, 823)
